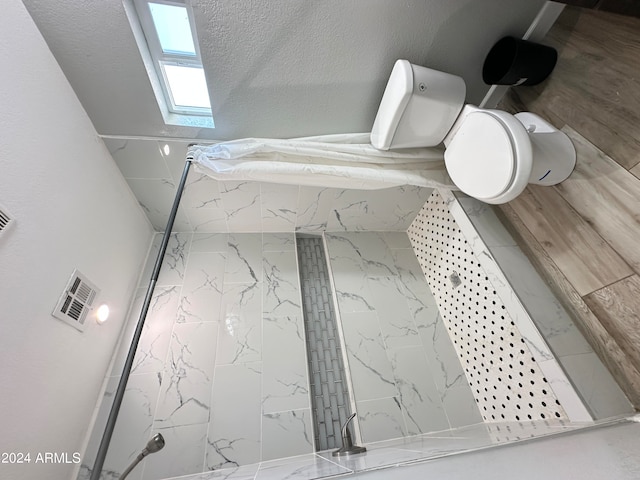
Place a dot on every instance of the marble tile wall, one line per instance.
(211, 206)
(210, 372)
(390, 453)
(407, 379)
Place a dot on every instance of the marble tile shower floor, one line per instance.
(392, 453)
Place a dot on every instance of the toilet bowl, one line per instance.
(490, 155)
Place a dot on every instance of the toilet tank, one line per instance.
(418, 107)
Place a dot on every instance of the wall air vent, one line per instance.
(76, 301)
(5, 219)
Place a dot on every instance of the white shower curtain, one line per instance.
(340, 161)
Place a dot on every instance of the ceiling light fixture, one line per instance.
(102, 314)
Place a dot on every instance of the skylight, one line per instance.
(187, 85)
(169, 32)
(173, 28)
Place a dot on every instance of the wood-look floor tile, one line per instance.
(522, 99)
(589, 226)
(611, 354)
(618, 309)
(595, 86)
(580, 253)
(599, 33)
(622, 148)
(607, 196)
(561, 103)
(511, 102)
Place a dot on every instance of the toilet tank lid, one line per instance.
(394, 101)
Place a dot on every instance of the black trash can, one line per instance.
(512, 61)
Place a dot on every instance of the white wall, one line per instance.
(72, 209)
(277, 68)
(287, 68)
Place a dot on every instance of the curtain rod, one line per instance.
(122, 384)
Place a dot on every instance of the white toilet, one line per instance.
(490, 155)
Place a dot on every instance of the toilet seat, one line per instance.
(489, 155)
